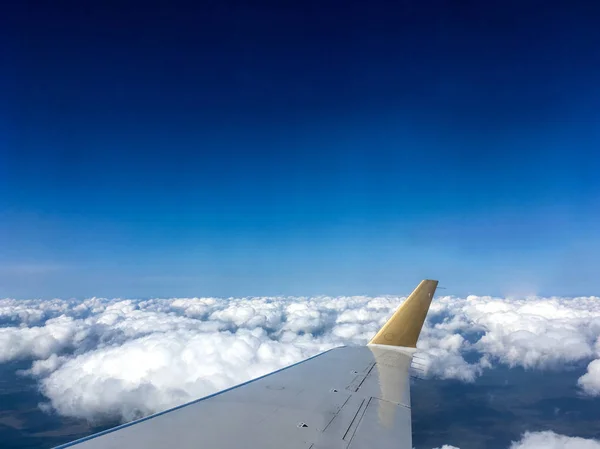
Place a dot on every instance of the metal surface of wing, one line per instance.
(348, 397)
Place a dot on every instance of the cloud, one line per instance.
(590, 381)
(40, 342)
(551, 440)
(530, 332)
(547, 440)
(165, 370)
(33, 311)
(106, 358)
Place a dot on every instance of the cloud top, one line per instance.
(551, 440)
(547, 440)
(106, 358)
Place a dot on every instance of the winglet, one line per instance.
(404, 327)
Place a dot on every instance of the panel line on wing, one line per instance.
(357, 417)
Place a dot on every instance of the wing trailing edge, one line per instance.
(404, 327)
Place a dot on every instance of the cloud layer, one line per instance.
(547, 440)
(551, 440)
(102, 358)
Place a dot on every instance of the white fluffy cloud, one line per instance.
(127, 358)
(590, 381)
(40, 342)
(551, 440)
(547, 440)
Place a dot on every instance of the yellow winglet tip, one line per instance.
(404, 327)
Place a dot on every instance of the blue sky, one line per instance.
(305, 148)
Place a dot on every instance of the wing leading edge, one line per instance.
(348, 397)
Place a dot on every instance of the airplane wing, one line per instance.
(347, 397)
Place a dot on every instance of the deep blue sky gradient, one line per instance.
(299, 148)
